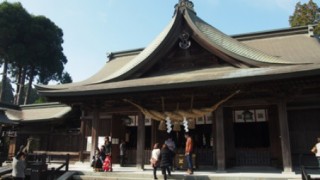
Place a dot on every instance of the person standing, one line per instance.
(188, 153)
(172, 146)
(165, 160)
(154, 159)
(316, 150)
(108, 153)
(122, 152)
(18, 166)
(107, 145)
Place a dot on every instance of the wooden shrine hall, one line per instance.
(247, 100)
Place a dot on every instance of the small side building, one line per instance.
(53, 126)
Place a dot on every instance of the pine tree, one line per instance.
(306, 14)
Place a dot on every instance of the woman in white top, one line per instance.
(155, 159)
(18, 166)
(316, 150)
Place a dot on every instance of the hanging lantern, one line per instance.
(192, 124)
(176, 126)
(162, 126)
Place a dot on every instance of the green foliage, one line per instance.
(317, 29)
(31, 46)
(66, 78)
(306, 14)
(33, 95)
(14, 20)
(40, 100)
(45, 44)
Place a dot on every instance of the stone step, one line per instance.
(174, 177)
(142, 176)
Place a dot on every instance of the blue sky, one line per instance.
(93, 28)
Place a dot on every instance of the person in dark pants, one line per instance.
(188, 153)
(172, 146)
(165, 160)
(122, 152)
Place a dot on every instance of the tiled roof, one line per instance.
(299, 48)
(229, 45)
(37, 112)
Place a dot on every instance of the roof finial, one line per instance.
(184, 4)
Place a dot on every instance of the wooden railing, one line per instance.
(37, 165)
(251, 157)
(57, 155)
(204, 156)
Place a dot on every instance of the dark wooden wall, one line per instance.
(304, 126)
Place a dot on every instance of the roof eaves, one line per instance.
(197, 79)
(42, 105)
(271, 33)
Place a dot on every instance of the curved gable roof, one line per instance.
(234, 52)
(125, 64)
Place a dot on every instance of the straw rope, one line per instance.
(178, 115)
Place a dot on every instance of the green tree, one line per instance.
(33, 96)
(66, 78)
(46, 56)
(14, 20)
(306, 14)
(31, 46)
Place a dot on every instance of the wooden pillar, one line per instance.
(82, 138)
(12, 147)
(117, 133)
(95, 131)
(140, 141)
(284, 137)
(154, 129)
(220, 140)
(213, 139)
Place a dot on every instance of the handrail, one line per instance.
(66, 164)
(57, 153)
(53, 172)
(304, 174)
(301, 155)
(5, 170)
